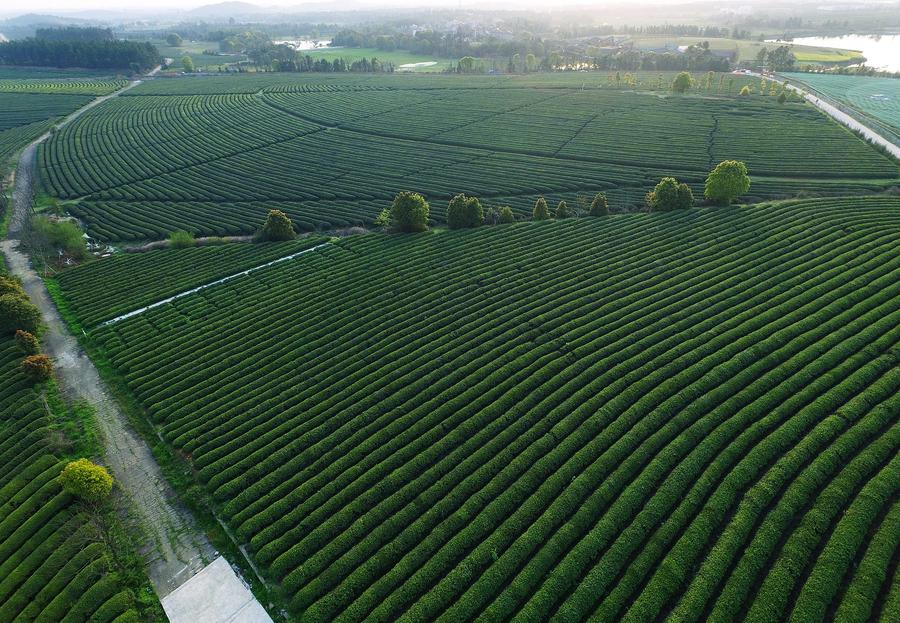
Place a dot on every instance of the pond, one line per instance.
(882, 52)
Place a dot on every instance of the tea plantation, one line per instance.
(212, 155)
(689, 416)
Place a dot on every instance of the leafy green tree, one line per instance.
(728, 181)
(682, 82)
(188, 64)
(409, 212)
(745, 90)
(10, 285)
(541, 212)
(37, 368)
(782, 97)
(599, 205)
(530, 63)
(181, 239)
(466, 65)
(670, 195)
(464, 212)
(277, 227)
(17, 312)
(562, 210)
(506, 215)
(27, 342)
(174, 39)
(87, 481)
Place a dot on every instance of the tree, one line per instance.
(506, 215)
(682, 82)
(10, 285)
(277, 227)
(466, 65)
(16, 312)
(562, 210)
(464, 212)
(27, 342)
(727, 182)
(37, 368)
(761, 57)
(188, 64)
(745, 91)
(599, 206)
(409, 212)
(540, 212)
(174, 39)
(782, 97)
(670, 195)
(85, 480)
(181, 239)
(530, 62)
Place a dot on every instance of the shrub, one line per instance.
(181, 239)
(506, 214)
(727, 182)
(464, 212)
(599, 206)
(65, 236)
(277, 227)
(670, 195)
(10, 285)
(16, 312)
(37, 368)
(682, 82)
(87, 481)
(746, 90)
(27, 342)
(562, 210)
(540, 212)
(409, 212)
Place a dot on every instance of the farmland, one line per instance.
(873, 99)
(331, 151)
(689, 414)
(54, 564)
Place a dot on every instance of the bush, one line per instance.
(37, 368)
(599, 206)
(727, 182)
(278, 227)
(409, 212)
(10, 285)
(670, 195)
(506, 214)
(682, 82)
(540, 212)
(27, 342)
(16, 312)
(65, 236)
(746, 90)
(87, 481)
(464, 212)
(562, 210)
(181, 239)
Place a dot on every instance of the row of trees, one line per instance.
(132, 56)
(287, 59)
(409, 211)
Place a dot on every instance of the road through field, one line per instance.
(176, 550)
(849, 121)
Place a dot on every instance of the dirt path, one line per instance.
(176, 549)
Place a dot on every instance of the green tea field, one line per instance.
(875, 99)
(211, 155)
(684, 416)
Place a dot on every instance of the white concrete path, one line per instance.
(215, 595)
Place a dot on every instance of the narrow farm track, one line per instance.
(595, 419)
(176, 549)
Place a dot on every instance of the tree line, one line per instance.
(90, 54)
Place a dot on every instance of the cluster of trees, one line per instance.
(725, 183)
(453, 44)
(75, 33)
(16, 312)
(286, 58)
(132, 56)
(779, 59)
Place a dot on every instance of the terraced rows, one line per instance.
(335, 150)
(70, 87)
(18, 109)
(54, 566)
(690, 415)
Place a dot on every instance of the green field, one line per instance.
(690, 415)
(398, 58)
(212, 154)
(874, 99)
